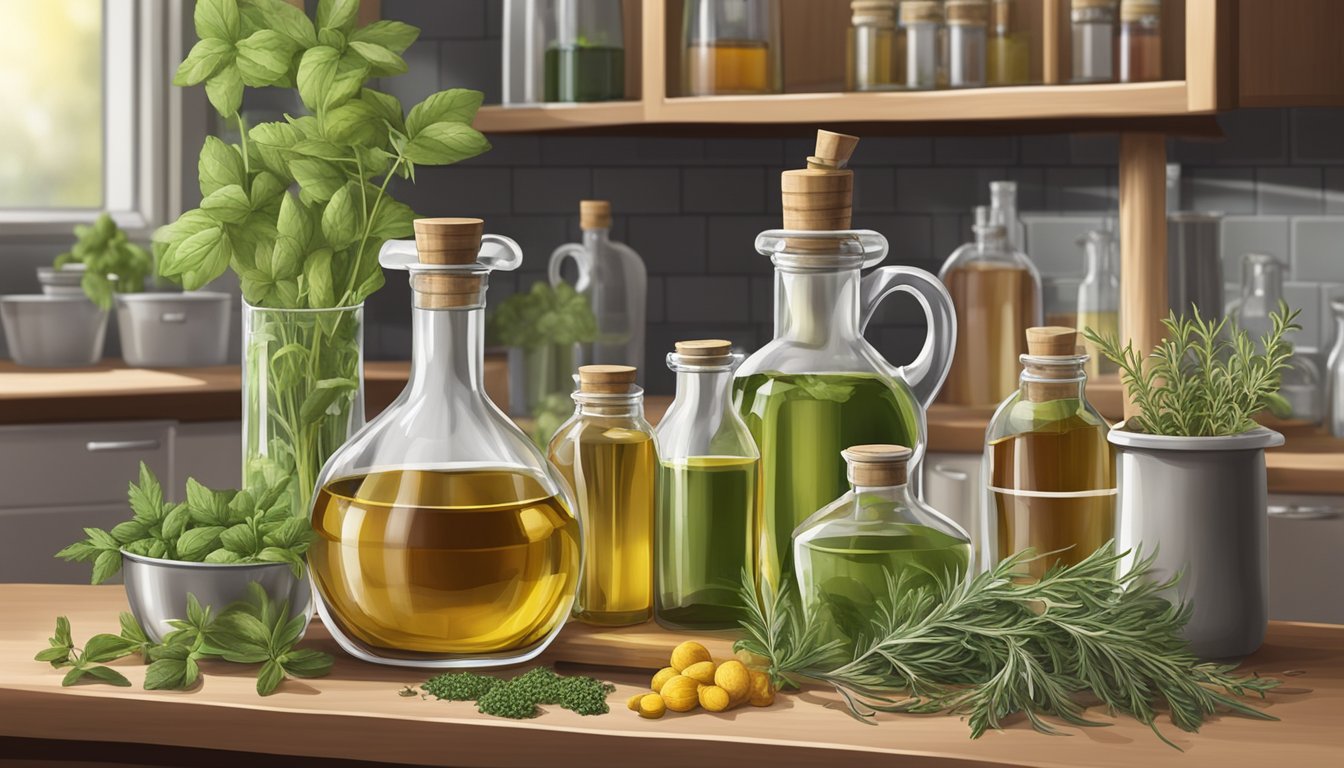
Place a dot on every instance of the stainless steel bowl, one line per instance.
(53, 331)
(174, 330)
(157, 589)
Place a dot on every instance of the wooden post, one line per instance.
(1143, 241)
(1050, 42)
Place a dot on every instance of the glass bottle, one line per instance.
(1050, 477)
(1099, 296)
(613, 277)
(997, 294)
(1008, 60)
(1003, 204)
(967, 29)
(708, 494)
(819, 387)
(922, 21)
(585, 60)
(1261, 293)
(1335, 376)
(876, 60)
(607, 453)
(1093, 41)
(444, 538)
(1140, 46)
(878, 533)
(731, 47)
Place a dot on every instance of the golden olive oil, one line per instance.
(995, 304)
(463, 562)
(726, 67)
(705, 539)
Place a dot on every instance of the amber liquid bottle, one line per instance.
(731, 47)
(1140, 49)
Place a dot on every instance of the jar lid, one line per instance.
(704, 348)
(819, 197)
(877, 465)
(594, 214)
(1086, 4)
(967, 12)
(448, 240)
(1052, 341)
(878, 13)
(1133, 10)
(606, 379)
(1003, 13)
(921, 11)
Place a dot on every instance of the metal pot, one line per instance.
(173, 330)
(157, 589)
(1199, 505)
(53, 331)
(61, 282)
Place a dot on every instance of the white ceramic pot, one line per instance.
(174, 330)
(53, 331)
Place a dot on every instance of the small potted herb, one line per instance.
(212, 546)
(102, 261)
(541, 328)
(1191, 468)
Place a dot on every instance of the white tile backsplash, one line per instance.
(1330, 292)
(1052, 243)
(1318, 248)
(1306, 298)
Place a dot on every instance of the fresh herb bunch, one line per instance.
(993, 646)
(106, 253)
(1206, 378)
(249, 526)
(518, 698)
(254, 631)
(543, 315)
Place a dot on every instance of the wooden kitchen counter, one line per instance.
(356, 714)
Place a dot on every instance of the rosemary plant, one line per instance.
(994, 645)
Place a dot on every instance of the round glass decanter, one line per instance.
(445, 538)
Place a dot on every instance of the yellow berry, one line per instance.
(734, 677)
(762, 693)
(650, 706)
(714, 698)
(679, 694)
(688, 653)
(663, 675)
(701, 672)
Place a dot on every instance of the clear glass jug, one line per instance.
(445, 538)
(585, 58)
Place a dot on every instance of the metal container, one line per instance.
(1194, 267)
(1199, 505)
(157, 589)
(173, 330)
(53, 331)
(61, 282)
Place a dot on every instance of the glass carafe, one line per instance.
(997, 293)
(445, 538)
(1261, 293)
(606, 451)
(585, 60)
(1099, 296)
(730, 47)
(876, 535)
(1335, 376)
(614, 279)
(708, 494)
(1049, 473)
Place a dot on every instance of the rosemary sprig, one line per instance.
(995, 645)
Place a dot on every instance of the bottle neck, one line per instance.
(1053, 378)
(593, 238)
(704, 393)
(817, 308)
(992, 238)
(448, 351)
(608, 406)
(877, 502)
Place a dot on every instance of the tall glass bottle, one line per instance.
(1093, 41)
(1009, 55)
(1140, 49)
(585, 60)
(1099, 296)
(1049, 473)
(819, 387)
(876, 534)
(997, 294)
(1261, 293)
(1335, 378)
(613, 277)
(967, 32)
(876, 47)
(922, 21)
(607, 453)
(444, 538)
(1003, 204)
(708, 494)
(731, 47)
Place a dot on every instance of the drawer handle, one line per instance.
(173, 317)
(104, 446)
(1295, 512)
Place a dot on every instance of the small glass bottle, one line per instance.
(606, 451)
(1093, 41)
(1335, 375)
(1008, 61)
(1003, 203)
(876, 60)
(731, 47)
(1049, 473)
(877, 534)
(922, 21)
(1140, 40)
(1261, 293)
(967, 30)
(1099, 296)
(585, 60)
(708, 494)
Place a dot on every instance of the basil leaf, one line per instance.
(240, 539)
(62, 635)
(306, 663)
(444, 144)
(80, 551)
(175, 522)
(291, 534)
(129, 531)
(223, 555)
(217, 18)
(317, 75)
(340, 219)
(286, 633)
(292, 22)
(391, 220)
(219, 165)
(354, 123)
(294, 222)
(337, 14)
(57, 656)
(382, 61)
(147, 497)
(264, 58)
(286, 263)
(106, 565)
(384, 106)
(109, 675)
(394, 35)
(132, 632)
(458, 105)
(101, 539)
(228, 204)
(73, 676)
(203, 60)
(322, 396)
(196, 543)
(166, 675)
(317, 276)
(102, 648)
(224, 89)
(318, 179)
(206, 247)
(270, 677)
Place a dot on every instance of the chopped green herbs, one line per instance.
(459, 686)
(519, 697)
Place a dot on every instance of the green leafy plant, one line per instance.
(253, 631)
(248, 526)
(995, 645)
(111, 261)
(543, 315)
(1206, 377)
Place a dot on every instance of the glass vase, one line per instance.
(303, 391)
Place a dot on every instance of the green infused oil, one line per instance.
(584, 73)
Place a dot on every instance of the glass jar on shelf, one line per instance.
(1008, 57)
(1099, 296)
(1140, 49)
(876, 47)
(444, 537)
(585, 59)
(708, 494)
(1335, 373)
(1003, 205)
(1093, 41)
(967, 33)
(731, 47)
(1261, 293)
(922, 21)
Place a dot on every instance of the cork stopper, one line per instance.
(1052, 341)
(1136, 10)
(967, 12)
(705, 348)
(595, 214)
(877, 466)
(921, 12)
(606, 379)
(1003, 14)
(447, 241)
(876, 13)
(819, 198)
(1079, 5)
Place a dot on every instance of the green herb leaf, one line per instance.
(264, 58)
(240, 637)
(392, 220)
(73, 676)
(382, 61)
(106, 565)
(207, 247)
(270, 677)
(146, 498)
(166, 675)
(354, 123)
(292, 22)
(317, 75)
(219, 165)
(222, 555)
(175, 522)
(57, 656)
(227, 204)
(384, 106)
(394, 35)
(317, 274)
(323, 396)
(217, 18)
(306, 663)
(108, 675)
(80, 551)
(240, 539)
(196, 543)
(445, 143)
(132, 633)
(458, 105)
(203, 60)
(340, 219)
(101, 648)
(318, 179)
(129, 531)
(224, 89)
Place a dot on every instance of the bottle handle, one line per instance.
(498, 253)
(582, 259)
(926, 373)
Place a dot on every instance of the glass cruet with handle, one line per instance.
(819, 387)
(444, 536)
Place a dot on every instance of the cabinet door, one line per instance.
(209, 451)
(79, 464)
(1306, 537)
(30, 537)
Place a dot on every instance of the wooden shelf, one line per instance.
(558, 117)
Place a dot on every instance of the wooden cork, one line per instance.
(705, 351)
(448, 241)
(877, 466)
(819, 198)
(921, 12)
(972, 12)
(606, 379)
(594, 214)
(1051, 341)
(443, 291)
